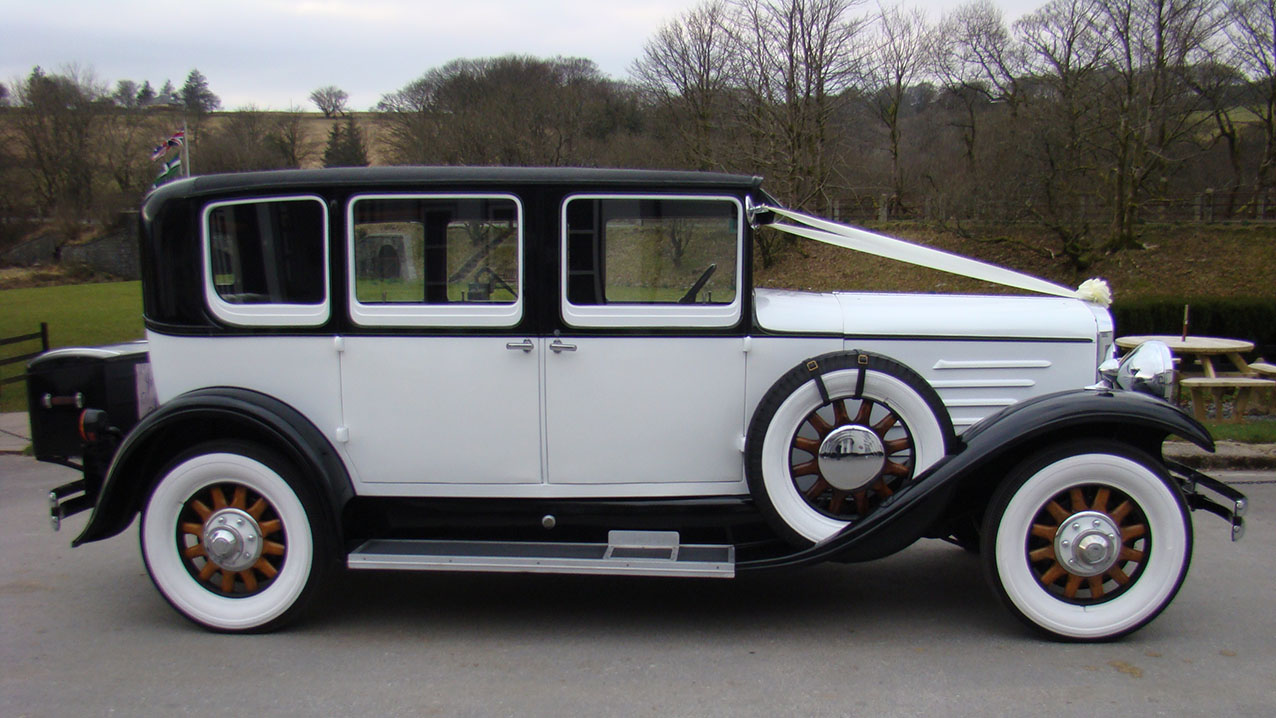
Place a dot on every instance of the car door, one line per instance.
(644, 384)
(437, 386)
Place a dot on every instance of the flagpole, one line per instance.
(186, 149)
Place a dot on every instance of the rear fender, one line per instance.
(205, 414)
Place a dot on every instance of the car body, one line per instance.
(569, 370)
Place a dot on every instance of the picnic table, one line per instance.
(1245, 379)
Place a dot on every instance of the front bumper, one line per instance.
(1192, 482)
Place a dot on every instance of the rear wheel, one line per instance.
(231, 538)
(1087, 542)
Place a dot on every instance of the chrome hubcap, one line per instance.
(851, 457)
(232, 539)
(1088, 543)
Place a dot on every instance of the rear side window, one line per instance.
(435, 260)
(266, 261)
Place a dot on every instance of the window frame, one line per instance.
(435, 315)
(653, 314)
(265, 315)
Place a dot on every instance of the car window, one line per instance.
(266, 260)
(675, 256)
(419, 260)
(651, 251)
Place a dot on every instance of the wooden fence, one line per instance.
(42, 336)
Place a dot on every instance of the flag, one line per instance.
(176, 140)
(168, 171)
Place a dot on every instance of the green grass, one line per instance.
(77, 315)
(1251, 431)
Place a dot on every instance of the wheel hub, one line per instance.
(1088, 543)
(232, 539)
(851, 457)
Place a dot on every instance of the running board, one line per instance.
(633, 553)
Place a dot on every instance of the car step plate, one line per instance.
(635, 553)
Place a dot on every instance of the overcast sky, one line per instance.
(272, 53)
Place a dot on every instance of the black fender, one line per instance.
(989, 448)
(213, 413)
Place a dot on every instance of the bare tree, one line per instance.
(1155, 114)
(1252, 31)
(331, 100)
(1065, 49)
(289, 138)
(685, 70)
(250, 139)
(793, 64)
(978, 61)
(125, 94)
(55, 127)
(508, 110)
(900, 59)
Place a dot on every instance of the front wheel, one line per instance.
(1087, 542)
(231, 538)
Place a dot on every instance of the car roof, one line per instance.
(398, 177)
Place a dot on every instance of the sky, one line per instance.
(272, 53)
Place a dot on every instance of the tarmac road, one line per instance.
(83, 633)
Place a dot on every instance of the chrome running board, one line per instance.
(634, 553)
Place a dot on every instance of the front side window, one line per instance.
(266, 261)
(435, 260)
(651, 260)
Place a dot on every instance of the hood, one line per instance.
(927, 315)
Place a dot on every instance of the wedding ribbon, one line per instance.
(821, 230)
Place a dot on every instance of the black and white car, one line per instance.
(570, 371)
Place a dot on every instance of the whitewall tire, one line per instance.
(1088, 541)
(230, 538)
(793, 425)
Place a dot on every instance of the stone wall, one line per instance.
(31, 253)
(116, 253)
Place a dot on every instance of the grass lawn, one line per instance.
(77, 315)
(1252, 431)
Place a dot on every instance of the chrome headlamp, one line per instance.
(1148, 369)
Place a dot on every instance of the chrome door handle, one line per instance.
(526, 345)
(558, 346)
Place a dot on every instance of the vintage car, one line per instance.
(570, 371)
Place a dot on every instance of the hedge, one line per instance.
(1252, 319)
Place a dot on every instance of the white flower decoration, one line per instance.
(1096, 291)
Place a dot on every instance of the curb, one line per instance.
(1227, 455)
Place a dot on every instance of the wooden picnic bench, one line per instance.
(1216, 386)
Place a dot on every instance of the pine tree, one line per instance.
(167, 95)
(146, 95)
(196, 96)
(346, 147)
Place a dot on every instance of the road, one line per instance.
(83, 633)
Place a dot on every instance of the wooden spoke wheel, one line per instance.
(231, 537)
(1087, 540)
(1089, 544)
(879, 478)
(835, 437)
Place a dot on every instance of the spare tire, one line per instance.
(837, 435)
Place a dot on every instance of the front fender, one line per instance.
(1001, 440)
(201, 415)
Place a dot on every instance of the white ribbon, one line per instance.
(867, 242)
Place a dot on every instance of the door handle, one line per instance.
(526, 345)
(557, 346)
